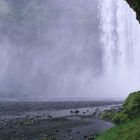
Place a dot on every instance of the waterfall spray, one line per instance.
(68, 49)
(118, 38)
(115, 36)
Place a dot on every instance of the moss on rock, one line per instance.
(130, 110)
(131, 105)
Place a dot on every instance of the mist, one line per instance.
(68, 49)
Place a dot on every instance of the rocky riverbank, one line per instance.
(52, 124)
(127, 119)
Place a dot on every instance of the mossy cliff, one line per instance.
(127, 120)
(135, 5)
(129, 110)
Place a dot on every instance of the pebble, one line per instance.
(78, 132)
(71, 111)
(77, 111)
(69, 130)
(85, 137)
(57, 131)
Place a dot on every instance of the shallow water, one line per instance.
(56, 109)
(35, 120)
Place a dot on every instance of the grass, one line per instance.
(126, 131)
(127, 120)
(129, 110)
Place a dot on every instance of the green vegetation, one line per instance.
(120, 117)
(131, 105)
(26, 122)
(127, 131)
(130, 110)
(107, 115)
(127, 120)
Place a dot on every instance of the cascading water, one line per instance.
(68, 49)
(119, 41)
(116, 33)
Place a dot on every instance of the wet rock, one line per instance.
(4, 123)
(57, 131)
(10, 126)
(77, 111)
(1, 127)
(27, 116)
(50, 117)
(13, 122)
(135, 5)
(94, 113)
(78, 132)
(40, 108)
(69, 130)
(1, 122)
(85, 137)
(52, 134)
(37, 117)
(71, 112)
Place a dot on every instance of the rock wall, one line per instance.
(135, 5)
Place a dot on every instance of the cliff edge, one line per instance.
(135, 5)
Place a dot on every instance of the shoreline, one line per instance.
(74, 124)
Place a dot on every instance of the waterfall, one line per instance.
(119, 33)
(115, 28)
(68, 49)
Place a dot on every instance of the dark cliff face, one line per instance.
(135, 5)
